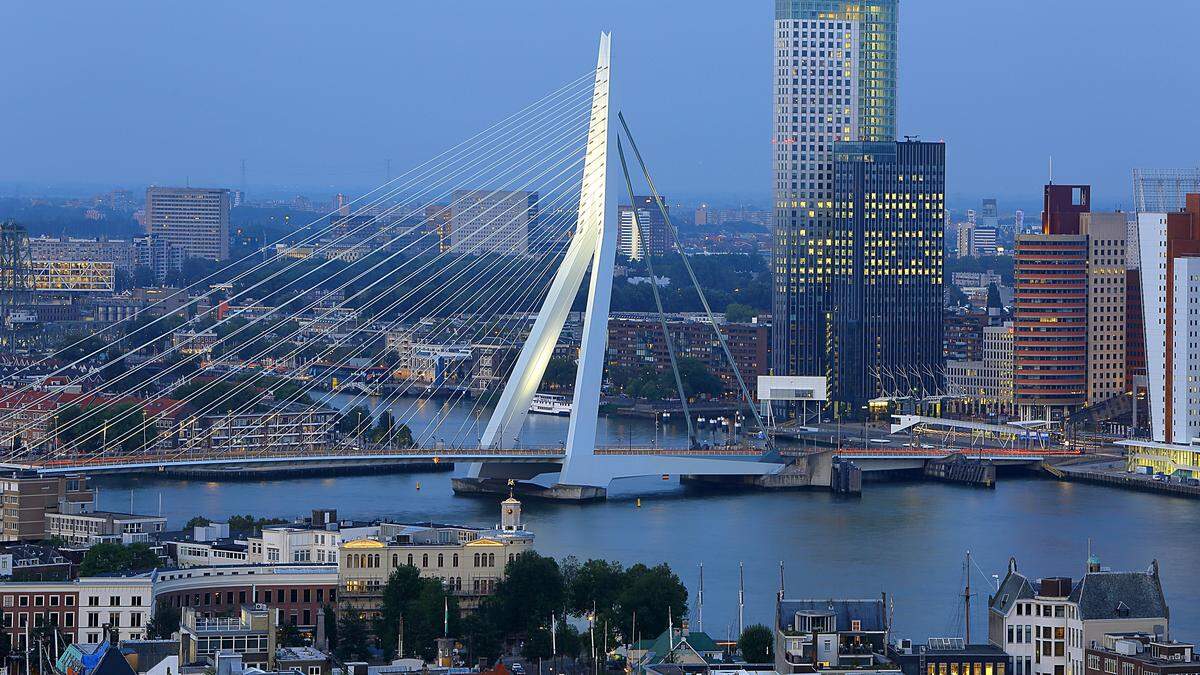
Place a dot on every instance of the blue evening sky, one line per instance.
(315, 95)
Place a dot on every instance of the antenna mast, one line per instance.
(967, 594)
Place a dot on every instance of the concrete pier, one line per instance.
(558, 492)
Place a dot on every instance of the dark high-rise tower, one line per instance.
(642, 230)
(886, 262)
(835, 80)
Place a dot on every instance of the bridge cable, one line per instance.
(460, 149)
(692, 274)
(693, 442)
(324, 399)
(128, 373)
(549, 280)
(245, 384)
(346, 283)
(488, 290)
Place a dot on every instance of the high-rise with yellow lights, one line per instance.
(886, 290)
(835, 81)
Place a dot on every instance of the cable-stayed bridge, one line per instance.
(514, 228)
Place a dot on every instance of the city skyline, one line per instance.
(297, 79)
(470, 416)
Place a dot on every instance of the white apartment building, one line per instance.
(93, 527)
(983, 241)
(193, 221)
(641, 229)
(303, 543)
(1046, 624)
(121, 253)
(1182, 368)
(1171, 316)
(122, 603)
(492, 221)
(210, 553)
(987, 382)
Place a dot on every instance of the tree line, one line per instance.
(622, 604)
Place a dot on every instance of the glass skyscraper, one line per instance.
(835, 81)
(885, 304)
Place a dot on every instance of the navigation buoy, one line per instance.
(639, 502)
(418, 486)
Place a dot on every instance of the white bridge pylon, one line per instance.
(594, 246)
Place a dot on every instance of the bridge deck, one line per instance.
(1030, 454)
(142, 461)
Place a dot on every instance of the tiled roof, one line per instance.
(871, 614)
(1100, 595)
(1121, 595)
(1014, 587)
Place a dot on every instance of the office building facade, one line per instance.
(121, 253)
(492, 221)
(985, 386)
(1107, 324)
(1170, 247)
(1070, 307)
(641, 229)
(1050, 308)
(887, 268)
(984, 241)
(194, 221)
(989, 215)
(834, 81)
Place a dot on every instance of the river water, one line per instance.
(907, 539)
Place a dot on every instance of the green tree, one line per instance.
(197, 521)
(94, 427)
(165, 622)
(654, 594)
(539, 646)
(560, 374)
(755, 644)
(355, 422)
(248, 524)
(532, 589)
(206, 395)
(698, 380)
(736, 312)
(484, 639)
(108, 557)
(423, 605)
(402, 437)
(331, 624)
(143, 277)
(383, 427)
(594, 583)
(288, 635)
(353, 638)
